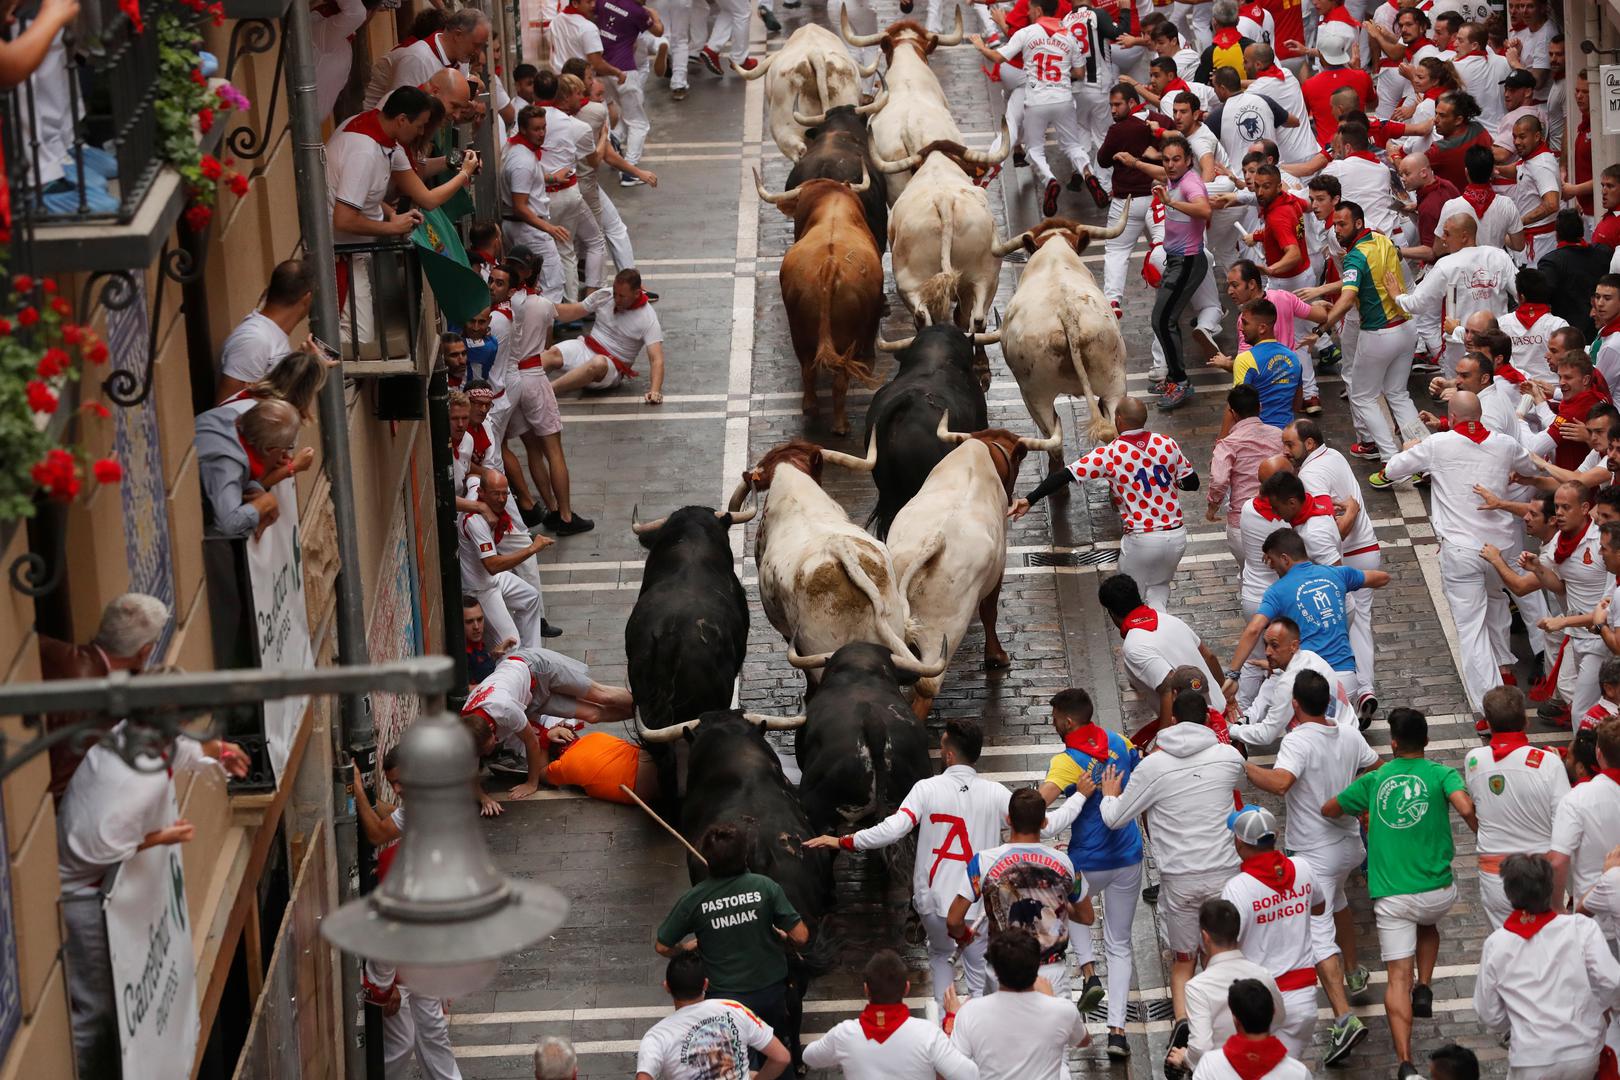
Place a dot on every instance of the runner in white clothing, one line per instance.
(1252, 1052)
(705, 1037)
(955, 814)
(602, 359)
(1271, 713)
(512, 606)
(1586, 826)
(1471, 278)
(525, 204)
(886, 1042)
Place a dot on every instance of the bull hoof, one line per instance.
(997, 661)
(840, 427)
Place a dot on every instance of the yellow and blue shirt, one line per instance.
(1093, 845)
(1370, 258)
(1274, 371)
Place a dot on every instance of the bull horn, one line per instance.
(912, 666)
(774, 200)
(851, 37)
(875, 105)
(805, 119)
(980, 157)
(991, 338)
(737, 496)
(642, 528)
(808, 663)
(897, 345)
(868, 71)
(738, 517)
(903, 165)
(1113, 230)
(866, 181)
(946, 434)
(775, 723)
(1002, 248)
(1050, 444)
(850, 461)
(956, 35)
(662, 735)
(759, 69)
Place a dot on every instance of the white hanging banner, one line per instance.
(154, 974)
(280, 619)
(1609, 80)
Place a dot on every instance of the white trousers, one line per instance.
(863, 20)
(1493, 899)
(516, 234)
(512, 609)
(632, 102)
(942, 949)
(1152, 558)
(1294, 1030)
(614, 232)
(1059, 116)
(1360, 604)
(1578, 1069)
(357, 320)
(1587, 654)
(731, 24)
(941, 18)
(1091, 110)
(1117, 254)
(1379, 369)
(1119, 889)
(1474, 592)
(418, 1026)
(568, 209)
(684, 22)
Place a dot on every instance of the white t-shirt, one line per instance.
(1530, 344)
(1294, 144)
(572, 36)
(1586, 827)
(1275, 925)
(1324, 758)
(708, 1040)
(1516, 797)
(360, 161)
(917, 1050)
(1150, 656)
(253, 349)
(1019, 1036)
(533, 317)
(475, 543)
(1325, 471)
(407, 65)
(623, 333)
(1365, 180)
(563, 135)
(1214, 1066)
(1538, 174)
(1585, 580)
(521, 174)
(1501, 219)
(110, 807)
(1049, 60)
(1533, 45)
(1482, 74)
(1093, 58)
(1455, 464)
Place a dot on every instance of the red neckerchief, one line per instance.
(519, 140)
(1137, 438)
(407, 43)
(1090, 740)
(1272, 869)
(1050, 25)
(438, 52)
(1529, 314)
(1564, 545)
(1315, 506)
(481, 441)
(1253, 1058)
(1226, 37)
(1412, 49)
(1178, 83)
(1433, 93)
(1612, 326)
(256, 466)
(1272, 72)
(1504, 743)
(1575, 243)
(1141, 618)
(1542, 148)
(1471, 429)
(1527, 925)
(369, 124)
(878, 1022)
(1508, 372)
(1365, 155)
(1480, 197)
(639, 301)
(499, 529)
(1612, 774)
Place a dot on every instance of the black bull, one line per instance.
(935, 376)
(837, 149)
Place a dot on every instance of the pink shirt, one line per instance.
(1235, 468)
(1289, 307)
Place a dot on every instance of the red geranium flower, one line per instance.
(40, 397)
(52, 468)
(23, 283)
(197, 77)
(53, 363)
(132, 9)
(72, 334)
(28, 316)
(5, 327)
(210, 166)
(198, 217)
(205, 119)
(60, 305)
(107, 471)
(239, 184)
(49, 285)
(97, 353)
(217, 11)
(95, 408)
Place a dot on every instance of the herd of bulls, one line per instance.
(871, 617)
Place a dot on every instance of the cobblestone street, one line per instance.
(712, 248)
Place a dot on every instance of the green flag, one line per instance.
(461, 293)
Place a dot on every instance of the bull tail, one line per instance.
(938, 293)
(849, 557)
(821, 83)
(926, 554)
(1101, 429)
(829, 357)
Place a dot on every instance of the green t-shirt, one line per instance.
(733, 919)
(1409, 847)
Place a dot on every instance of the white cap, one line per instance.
(1333, 41)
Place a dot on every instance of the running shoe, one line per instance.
(1422, 1001)
(1355, 981)
(768, 17)
(1076, 184)
(1553, 709)
(510, 763)
(1180, 1033)
(677, 93)
(749, 64)
(1408, 1071)
(1380, 481)
(1150, 895)
(626, 180)
(1099, 194)
(1118, 314)
(1049, 201)
(660, 64)
(1347, 1032)
(711, 60)
(1560, 719)
(574, 525)
(1176, 394)
(1482, 728)
(1365, 712)
(1156, 384)
(1207, 342)
(534, 515)
(1328, 359)
(1313, 406)
(1118, 1047)
(1423, 364)
(1510, 677)
(1091, 995)
(1366, 451)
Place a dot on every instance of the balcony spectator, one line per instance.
(130, 628)
(332, 26)
(297, 380)
(260, 341)
(363, 156)
(112, 810)
(70, 179)
(417, 59)
(242, 459)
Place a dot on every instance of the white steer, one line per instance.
(812, 73)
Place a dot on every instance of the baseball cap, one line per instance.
(1520, 80)
(1252, 824)
(1333, 41)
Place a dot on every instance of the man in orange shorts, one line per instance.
(599, 763)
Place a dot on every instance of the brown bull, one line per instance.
(832, 287)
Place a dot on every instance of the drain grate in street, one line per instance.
(1094, 557)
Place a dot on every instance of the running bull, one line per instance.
(688, 633)
(839, 148)
(832, 287)
(813, 70)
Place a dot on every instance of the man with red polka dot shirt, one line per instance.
(1146, 473)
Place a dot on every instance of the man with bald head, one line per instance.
(512, 606)
(1146, 473)
(1294, 144)
(1456, 460)
(1469, 278)
(1537, 188)
(1430, 193)
(452, 88)
(415, 63)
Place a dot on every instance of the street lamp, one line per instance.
(444, 915)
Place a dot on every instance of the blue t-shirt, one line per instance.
(1093, 845)
(1314, 597)
(1274, 371)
